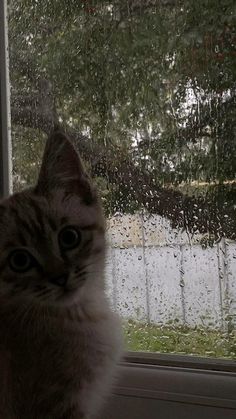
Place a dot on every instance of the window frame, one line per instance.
(180, 361)
(153, 386)
(140, 372)
(5, 117)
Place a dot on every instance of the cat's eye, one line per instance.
(20, 261)
(69, 238)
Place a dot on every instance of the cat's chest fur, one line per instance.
(54, 361)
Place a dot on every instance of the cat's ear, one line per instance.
(62, 169)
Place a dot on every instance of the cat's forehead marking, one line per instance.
(26, 223)
(72, 207)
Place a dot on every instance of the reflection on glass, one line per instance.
(147, 92)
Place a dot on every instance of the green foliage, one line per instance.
(122, 72)
(26, 157)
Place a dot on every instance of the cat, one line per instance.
(59, 340)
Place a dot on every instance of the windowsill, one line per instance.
(157, 382)
(180, 361)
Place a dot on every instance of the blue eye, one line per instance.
(69, 238)
(20, 260)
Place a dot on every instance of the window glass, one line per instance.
(147, 92)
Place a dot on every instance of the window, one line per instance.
(146, 91)
(146, 83)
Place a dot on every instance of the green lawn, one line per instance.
(201, 342)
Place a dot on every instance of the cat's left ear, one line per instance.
(62, 168)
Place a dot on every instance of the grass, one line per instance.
(184, 341)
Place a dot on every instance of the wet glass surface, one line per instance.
(146, 90)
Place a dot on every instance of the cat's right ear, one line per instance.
(62, 168)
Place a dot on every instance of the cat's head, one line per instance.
(52, 236)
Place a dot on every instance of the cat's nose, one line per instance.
(60, 280)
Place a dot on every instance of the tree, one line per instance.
(118, 75)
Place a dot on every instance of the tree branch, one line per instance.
(210, 215)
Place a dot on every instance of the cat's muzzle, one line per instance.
(60, 281)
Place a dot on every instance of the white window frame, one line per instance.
(5, 119)
(150, 385)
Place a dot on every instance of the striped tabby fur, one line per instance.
(59, 341)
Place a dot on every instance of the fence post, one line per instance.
(222, 256)
(145, 267)
(182, 284)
